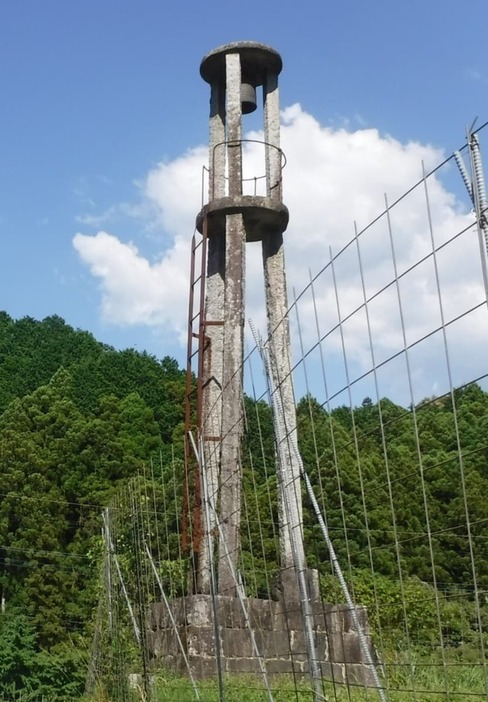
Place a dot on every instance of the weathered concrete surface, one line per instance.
(258, 58)
(279, 634)
(279, 351)
(233, 351)
(214, 340)
(272, 132)
(232, 408)
(262, 216)
(212, 398)
(290, 497)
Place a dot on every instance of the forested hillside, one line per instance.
(403, 492)
(366, 477)
(80, 420)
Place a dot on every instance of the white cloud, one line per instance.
(134, 291)
(175, 188)
(333, 177)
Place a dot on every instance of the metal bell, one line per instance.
(248, 98)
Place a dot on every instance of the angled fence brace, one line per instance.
(238, 581)
(172, 619)
(477, 193)
(307, 612)
(137, 633)
(335, 561)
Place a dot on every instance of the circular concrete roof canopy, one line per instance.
(261, 216)
(256, 60)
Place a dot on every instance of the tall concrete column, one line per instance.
(271, 102)
(232, 400)
(279, 337)
(214, 335)
(279, 351)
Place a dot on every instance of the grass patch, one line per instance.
(423, 679)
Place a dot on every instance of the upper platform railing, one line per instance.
(255, 185)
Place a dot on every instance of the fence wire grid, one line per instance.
(389, 345)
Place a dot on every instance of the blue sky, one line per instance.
(97, 94)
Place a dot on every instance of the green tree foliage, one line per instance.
(403, 495)
(54, 461)
(412, 607)
(18, 648)
(31, 673)
(31, 352)
(79, 419)
(386, 474)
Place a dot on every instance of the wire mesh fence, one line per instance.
(389, 340)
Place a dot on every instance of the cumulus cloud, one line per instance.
(333, 178)
(136, 291)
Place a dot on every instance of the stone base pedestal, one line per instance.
(278, 631)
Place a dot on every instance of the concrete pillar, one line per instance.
(232, 420)
(214, 332)
(217, 147)
(234, 117)
(272, 137)
(279, 335)
(279, 349)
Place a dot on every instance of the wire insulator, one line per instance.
(464, 174)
